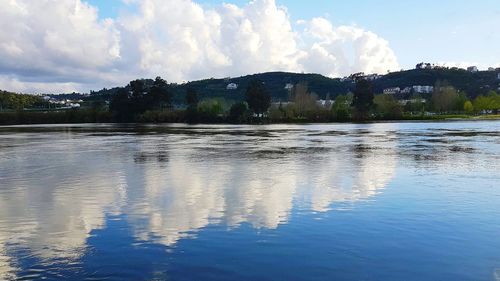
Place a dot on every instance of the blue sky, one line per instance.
(424, 30)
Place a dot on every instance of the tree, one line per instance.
(121, 106)
(341, 108)
(191, 98)
(460, 101)
(192, 103)
(238, 112)
(387, 106)
(490, 102)
(159, 96)
(304, 103)
(363, 98)
(468, 107)
(212, 107)
(257, 97)
(444, 97)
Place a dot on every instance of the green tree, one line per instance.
(490, 102)
(257, 97)
(468, 107)
(341, 109)
(362, 98)
(191, 98)
(304, 103)
(444, 97)
(121, 106)
(387, 106)
(238, 113)
(159, 96)
(192, 103)
(212, 107)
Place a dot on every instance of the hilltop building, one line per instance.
(472, 69)
(406, 90)
(232, 86)
(371, 77)
(423, 89)
(392, 91)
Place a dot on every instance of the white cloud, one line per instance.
(62, 45)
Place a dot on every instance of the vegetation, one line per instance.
(258, 97)
(13, 101)
(362, 101)
(263, 98)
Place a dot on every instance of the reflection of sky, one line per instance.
(57, 189)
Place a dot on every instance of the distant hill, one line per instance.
(473, 83)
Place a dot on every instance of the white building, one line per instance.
(392, 91)
(232, 86)
(371, 77)
(423, 89)
(325, 103)
(406, 90)
(472, 69)
(288, 86)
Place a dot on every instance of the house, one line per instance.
(371, 77)
(472, 69)
(289, 86)
(232, 86)
(491, 69)
(406, 90)
(325, 103)
(423, 89)
(392, 91)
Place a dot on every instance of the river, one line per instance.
(382, 201)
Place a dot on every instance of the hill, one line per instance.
(473, 83)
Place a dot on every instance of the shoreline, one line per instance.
(432, 119)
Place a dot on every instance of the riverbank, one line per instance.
(99, 116)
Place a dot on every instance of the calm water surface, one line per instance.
(392, 201)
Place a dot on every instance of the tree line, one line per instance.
(152, 102)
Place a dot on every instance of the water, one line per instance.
(391, 201)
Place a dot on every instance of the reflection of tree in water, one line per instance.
(151, 150)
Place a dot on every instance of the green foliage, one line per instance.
(341, 109)
(468, 107)
(304, 104)
(257, 97)
(191, 97)
(159, 97)
(460, 101)
(490, 102)
(362, 98)
(212, 107)
(388, 107)
(445, 97)
(130, 102)
(13, 101)
(239, 113)
(417, 104)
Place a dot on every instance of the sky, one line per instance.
(82, 45)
